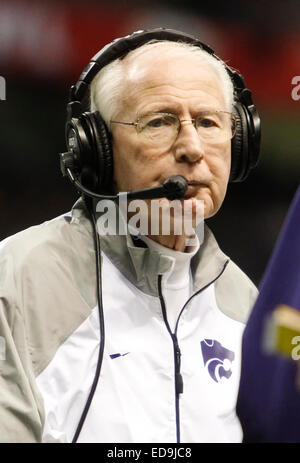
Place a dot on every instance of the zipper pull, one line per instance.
(179, 383)
(178, 377)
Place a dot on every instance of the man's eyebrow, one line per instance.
(163, 108)
(175, 109)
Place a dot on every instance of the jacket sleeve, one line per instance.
(21, 407)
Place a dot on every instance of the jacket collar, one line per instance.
(141, 266)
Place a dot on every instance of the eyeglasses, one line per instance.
(162, 129)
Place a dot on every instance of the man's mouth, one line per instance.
(193, 188)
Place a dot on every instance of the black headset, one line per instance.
(90, 154)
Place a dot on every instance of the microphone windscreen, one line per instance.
(175, 187)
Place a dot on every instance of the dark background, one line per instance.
(45, 45)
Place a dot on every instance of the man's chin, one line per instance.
(210, 211)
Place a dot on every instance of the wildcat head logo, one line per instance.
(217, 359)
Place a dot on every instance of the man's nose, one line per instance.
(188, 146)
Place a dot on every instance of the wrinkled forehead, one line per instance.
(162, 65)
(145, 59)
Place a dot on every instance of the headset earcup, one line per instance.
(78, 140)
(100, 151)
(102, 140)
(239, 146)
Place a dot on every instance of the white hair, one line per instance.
(107, 87)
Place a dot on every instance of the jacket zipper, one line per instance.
(177, 353)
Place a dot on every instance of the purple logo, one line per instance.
(114, 356)
(217, 359)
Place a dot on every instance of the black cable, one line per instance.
(97, 246)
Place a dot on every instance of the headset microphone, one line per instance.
(174, 187)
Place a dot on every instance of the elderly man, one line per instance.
(145, 345)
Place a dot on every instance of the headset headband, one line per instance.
(119, 48)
